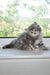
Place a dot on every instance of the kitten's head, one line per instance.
(34, 30)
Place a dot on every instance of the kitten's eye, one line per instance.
(31, 32)
(35, 29)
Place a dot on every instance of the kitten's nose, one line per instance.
(34, 33)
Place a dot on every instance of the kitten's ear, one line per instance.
(39, 28)
(26, 29)
(35, 23)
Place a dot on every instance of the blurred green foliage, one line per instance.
(11, 24)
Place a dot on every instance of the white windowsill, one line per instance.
(14, 53)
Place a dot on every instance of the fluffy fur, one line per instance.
(31, 39)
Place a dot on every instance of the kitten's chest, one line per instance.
(34, 41)
(37, 41)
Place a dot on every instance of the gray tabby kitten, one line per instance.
(31, 39)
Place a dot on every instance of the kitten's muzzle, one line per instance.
(34, 33)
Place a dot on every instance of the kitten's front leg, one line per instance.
(34, 47)
(31, 46)
(42, 46)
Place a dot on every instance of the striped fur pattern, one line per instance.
(31, 39)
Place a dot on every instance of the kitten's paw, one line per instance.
(44, 48)
(37, 50)
(3, 47)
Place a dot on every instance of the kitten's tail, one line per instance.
(7, 46)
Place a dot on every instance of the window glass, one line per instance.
(16, 15)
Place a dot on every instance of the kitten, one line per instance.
(31, 39)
